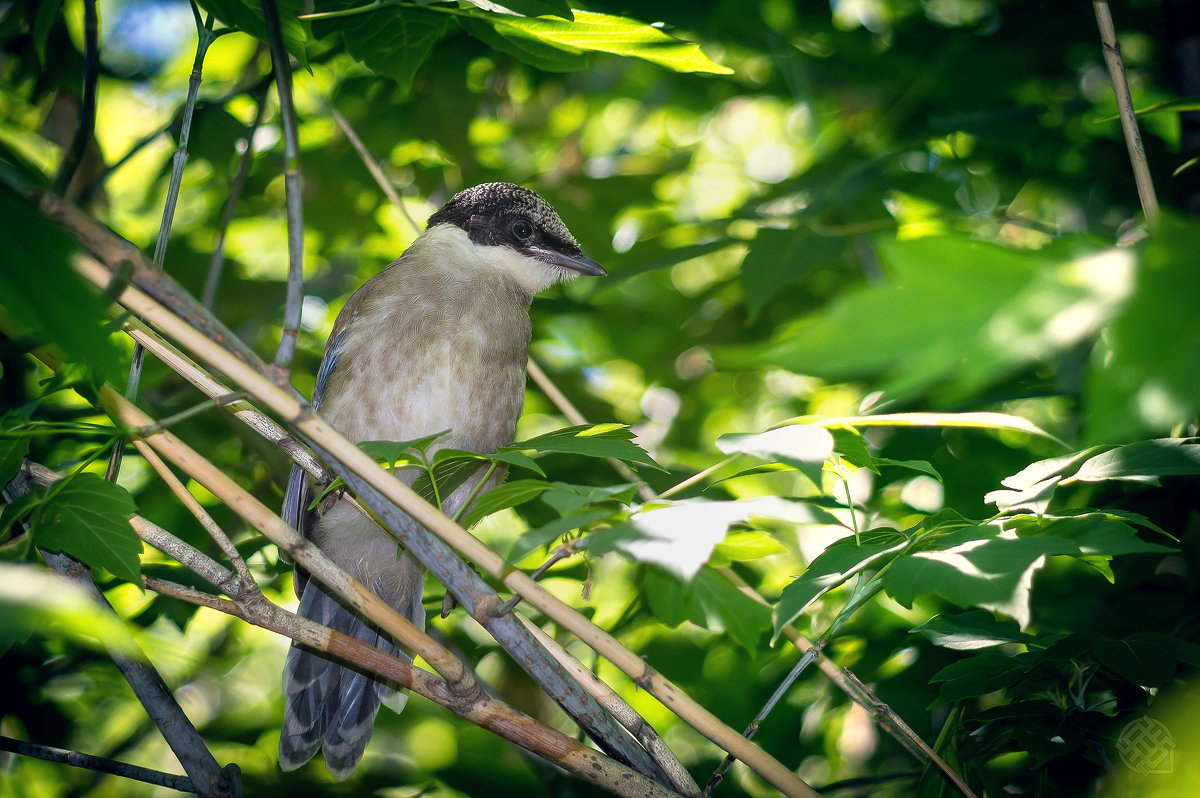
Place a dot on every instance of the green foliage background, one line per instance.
(886, 206)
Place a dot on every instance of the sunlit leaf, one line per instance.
(744, 546)
(680, 536)
(527, 8)
(33, 600)
(805, 448)
(604, 33)
(1144, 376)
(1144, 461)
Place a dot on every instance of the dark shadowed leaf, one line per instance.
(394, 41)
(831, 568)
(247, 16)
(971, 630)
(89, 519)
(983, 673)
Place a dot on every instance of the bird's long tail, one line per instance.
(328, 704)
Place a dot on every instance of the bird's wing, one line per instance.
(299, 493)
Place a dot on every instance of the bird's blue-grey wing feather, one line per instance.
(299, 493)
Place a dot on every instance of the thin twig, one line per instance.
(189, 501)
(805, 660)
(1129, 125)
(292, 191)
(373, 167)
(204, 38)
(681, 780)
(216, 262)
(97, 763)
(697, 477)
(85, 128)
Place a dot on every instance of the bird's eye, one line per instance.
(522, 229)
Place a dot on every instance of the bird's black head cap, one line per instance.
(503, 214)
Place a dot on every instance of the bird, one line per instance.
(436, 341)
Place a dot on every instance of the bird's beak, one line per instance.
(577, 263)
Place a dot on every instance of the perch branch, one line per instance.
(383, 493)
(484, 711)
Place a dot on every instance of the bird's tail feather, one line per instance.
(329, 704)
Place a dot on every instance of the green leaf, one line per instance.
(567, 499)
(88, 518)
(831, 568)
(43, 294)
(727, 609)
(912, 465)
(1144, 461)
(546, 534)
(12, 451)
(929, 324)
(976, 568)
(527, 8)
(1042, 470)
(247, 16)
(978, 675)
(519, 459)
(1144, 375)
(43, 22)
(1096, 534)
(850, 445)
(34, 600)
(17, 510)
(503, 496)
(711, 602)
(394, 41)
(777, 258)
(400, 453)
(1144, 659)
(1176, 104)
(680, 536)
(531, 51)
(805, 448)
(604, 33)
(745, 546)
(971, 630)
(669, 598)
(589, 440)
